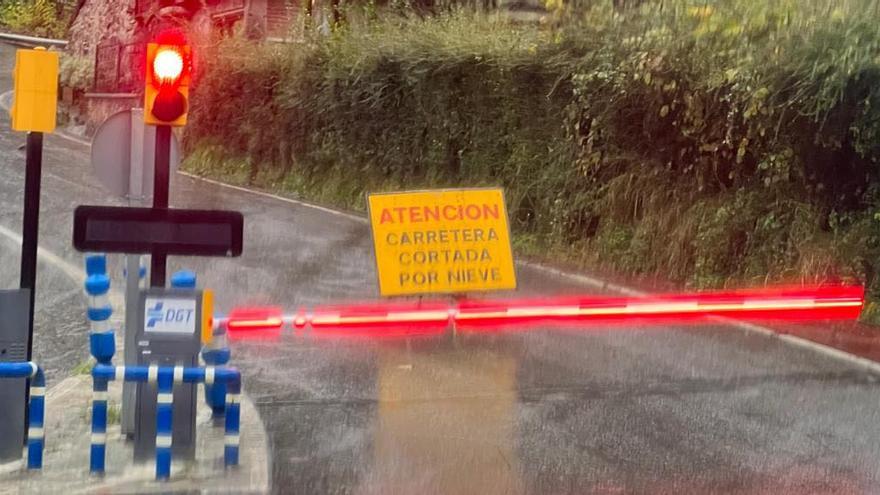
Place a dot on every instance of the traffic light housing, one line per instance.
(168, 75)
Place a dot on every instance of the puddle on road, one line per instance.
(446, 423)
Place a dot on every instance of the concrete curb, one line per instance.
(67, 453)
(66, 458)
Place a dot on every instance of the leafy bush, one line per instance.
(708, 142)
(46, 18)
(76, 72)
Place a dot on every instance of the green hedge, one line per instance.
(46, 18)
(734, 141)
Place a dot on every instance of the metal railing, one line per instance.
(165, 377)
(102, 346)
(117, 67)
(21, 39)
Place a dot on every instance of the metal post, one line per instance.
(161, 176)
(134, 272)
(29, 232)
(30, 223)
(129, 351)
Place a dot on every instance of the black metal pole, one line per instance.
(161, 177)
(33, 171)
(30, 224)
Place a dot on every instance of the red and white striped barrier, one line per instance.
(419, 317)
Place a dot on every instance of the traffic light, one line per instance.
(168, 75)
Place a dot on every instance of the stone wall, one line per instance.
(100, 107)
(99, 21)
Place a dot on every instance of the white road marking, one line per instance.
(823, 349)
(828, 351)
(78, 275)
(75, 273)
(276, 197)
(584, 279)
(71, 137)
(6, 100)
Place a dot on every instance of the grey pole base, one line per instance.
(14, 318)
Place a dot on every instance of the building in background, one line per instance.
(114, 34)
(110, 36)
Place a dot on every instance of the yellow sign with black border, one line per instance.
(444, 241)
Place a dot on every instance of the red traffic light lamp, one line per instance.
(168, 75)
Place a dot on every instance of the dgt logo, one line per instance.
(172, 315)
(155, 315)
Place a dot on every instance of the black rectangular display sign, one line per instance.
(113, 229)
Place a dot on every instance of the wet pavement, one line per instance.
(690, 409)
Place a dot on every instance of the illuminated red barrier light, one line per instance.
(255, 323)
(419, 318)
(817, 303)
(379, 320)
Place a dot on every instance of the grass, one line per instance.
(83, 368)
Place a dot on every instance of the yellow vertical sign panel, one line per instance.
(207, 316)
(446, 241)
(36, 90)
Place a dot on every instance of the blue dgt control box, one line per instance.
(168, 334)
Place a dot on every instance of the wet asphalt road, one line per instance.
(598, 410)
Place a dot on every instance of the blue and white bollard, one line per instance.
(232, 437)
(98, 448)
(216, 353)
(164, 399)
(166, 377)
(36, 413)
(36, 407)
(102, 346)
(102, 343)
(183, 279)
(96, 264)
(164, 416)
